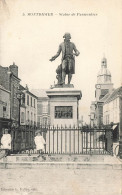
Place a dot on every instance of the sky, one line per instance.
(30, 41)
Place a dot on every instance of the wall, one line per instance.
(31, 110)
(11, 82)
(43, 111)
(4, 77)
(99, 113)
(4, 103)
(107, 88)
(22, 116)
(14, 82)
(111, 111)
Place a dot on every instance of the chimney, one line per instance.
(14, 69)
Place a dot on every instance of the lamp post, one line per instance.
(19, 95)
(120, 130)
(90, 121)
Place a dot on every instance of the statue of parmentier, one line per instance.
(67, 65)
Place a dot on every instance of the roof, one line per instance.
(39, 92)
(117, 92)
(3, 88)
(27, 91)
(105, 97)
(104, 71)
(21, 87)
(15, 76)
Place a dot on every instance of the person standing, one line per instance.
(6, 142)
(40, 143)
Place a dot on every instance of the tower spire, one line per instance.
(104, 75)
(104, 62)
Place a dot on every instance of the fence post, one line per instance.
(49, 140)
(109, 141)
(78, 140)
(61, 138)
(29, 140)
(57, 139)
(12, 142)
(53, 138)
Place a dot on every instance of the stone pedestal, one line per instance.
(64, 106)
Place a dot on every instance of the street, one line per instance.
(60, 181)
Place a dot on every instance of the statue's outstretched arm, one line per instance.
(76, 51)
(57, 54)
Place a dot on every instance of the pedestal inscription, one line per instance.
(64, 112)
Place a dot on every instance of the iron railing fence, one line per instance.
(22, 138)
(61, 140)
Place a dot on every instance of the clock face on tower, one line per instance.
(98, 86)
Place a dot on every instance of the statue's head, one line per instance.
(67, 36)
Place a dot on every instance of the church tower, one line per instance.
(104, 84)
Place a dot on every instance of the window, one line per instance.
(28, 100)
(44, 122)
(22, 117)
(31, 118)
(23, 99)
(34, 103)
(34, 117)
(4, 111)
(4, 108)
(31, 102)
(45, 107)
(28, 115)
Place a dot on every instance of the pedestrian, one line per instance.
(6, 142)
(40, 143)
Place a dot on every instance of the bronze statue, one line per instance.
(68, 59)
(59, 74)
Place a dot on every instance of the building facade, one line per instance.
(104, 86)
(43, 117)
(10, 81)
(4, 103)
(111, 111)
(28, 107)
(4, 109)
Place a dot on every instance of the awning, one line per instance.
(114, 127)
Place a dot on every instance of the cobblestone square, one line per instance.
(60, 182)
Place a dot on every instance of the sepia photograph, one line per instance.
(60, 97)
